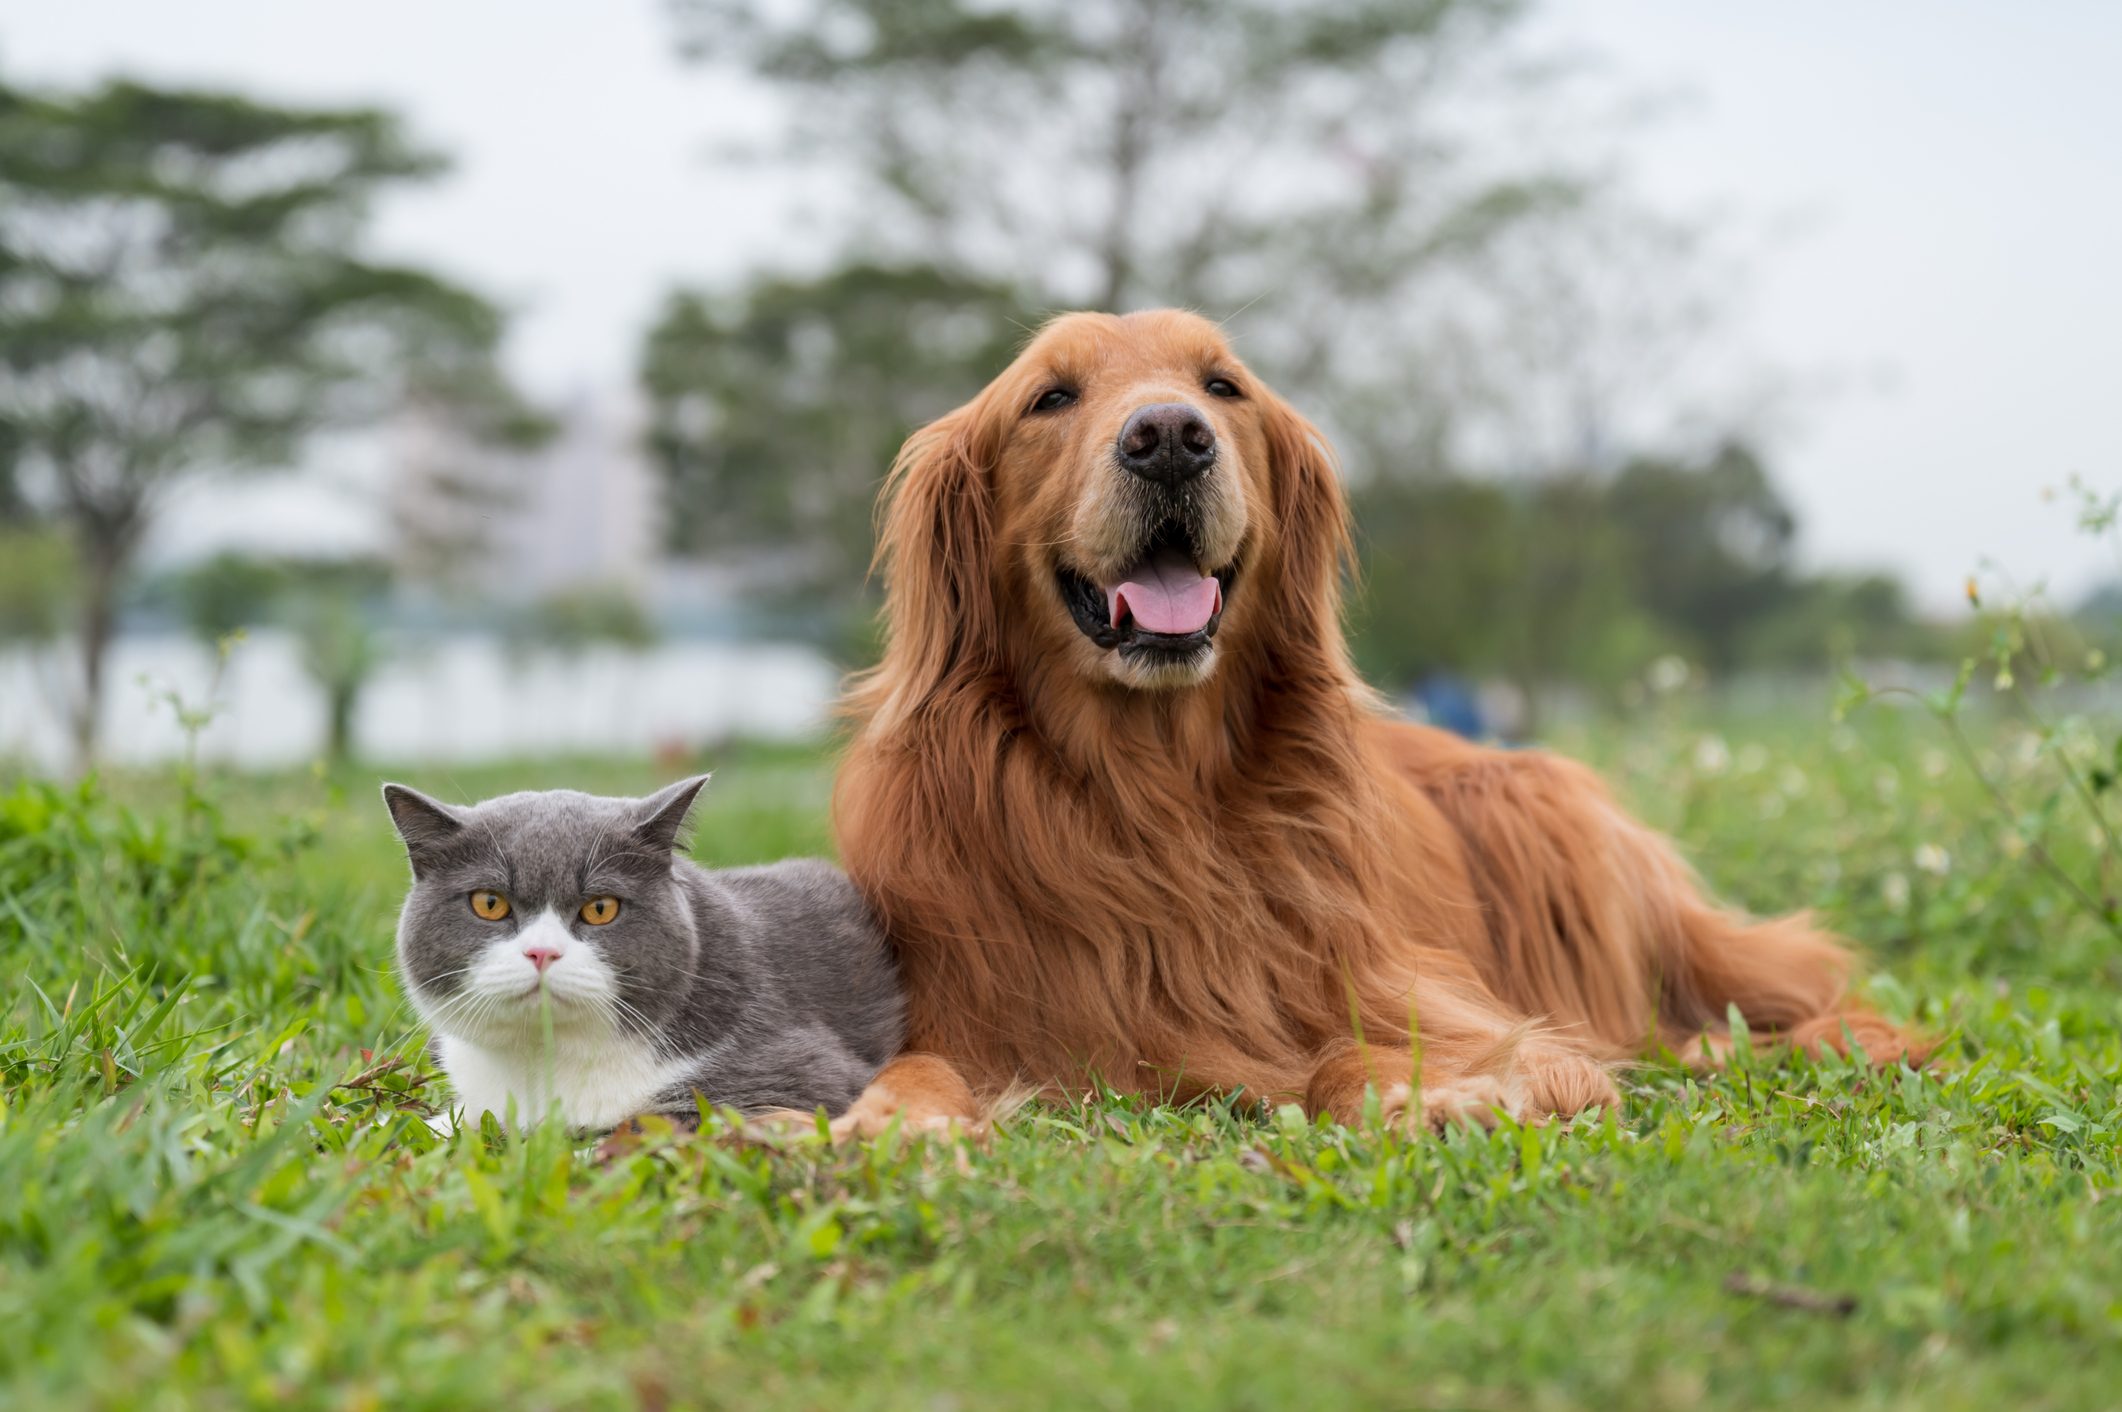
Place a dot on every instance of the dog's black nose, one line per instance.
(1167, 442)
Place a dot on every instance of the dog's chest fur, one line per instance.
(597, 1083)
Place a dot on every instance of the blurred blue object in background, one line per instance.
(1447, 700)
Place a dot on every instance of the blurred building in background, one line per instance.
(515, 525)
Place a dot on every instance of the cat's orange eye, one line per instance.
(489, 904)
(599, 911)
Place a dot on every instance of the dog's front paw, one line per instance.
(1555, 1082)
(922, 1093)
(1540, 1084)
(874, 1112)
(1475, 1100)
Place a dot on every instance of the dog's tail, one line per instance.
(1596, 924)
(1787, 979)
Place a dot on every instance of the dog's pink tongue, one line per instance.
(1167, 595)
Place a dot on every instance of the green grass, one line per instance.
(217, 1190)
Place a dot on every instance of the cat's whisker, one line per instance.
(429, 983)
(462, 992)
(464, 1007)
(621, 1008)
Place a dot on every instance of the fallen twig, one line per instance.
(1792, 1296)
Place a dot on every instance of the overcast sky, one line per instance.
(1939, 185)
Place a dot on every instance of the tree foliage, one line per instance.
(577, 618)
(182, 291)
(229, 592)
(1587, 578)
(331, 608)
(37, 583)
(776, 409)
(341, 651)
(1127, 151)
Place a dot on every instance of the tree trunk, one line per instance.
(339, 739)
(1127, 152)
(103, 563)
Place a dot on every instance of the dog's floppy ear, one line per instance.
(935, 548)
(1318, 547)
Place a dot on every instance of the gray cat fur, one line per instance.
(772, 985)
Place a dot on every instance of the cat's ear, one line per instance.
(425, 824)
(658, 818)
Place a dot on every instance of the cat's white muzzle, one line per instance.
(508, 990)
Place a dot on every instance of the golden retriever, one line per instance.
(1130, 816)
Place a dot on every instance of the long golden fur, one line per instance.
(1236, 872)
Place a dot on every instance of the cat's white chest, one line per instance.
(597, 1083)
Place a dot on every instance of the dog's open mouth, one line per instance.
(1162, 606)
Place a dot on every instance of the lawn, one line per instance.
(217, 1188)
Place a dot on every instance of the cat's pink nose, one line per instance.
(542, 956)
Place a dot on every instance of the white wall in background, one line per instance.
(460, 698)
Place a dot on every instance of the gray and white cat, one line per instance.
(564, 953)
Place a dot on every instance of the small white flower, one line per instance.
(1667, 675)
(1894, 888)
(1712, 756)
(1932, 859)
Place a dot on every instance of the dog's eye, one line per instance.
(1053, 399)
(1221, 387)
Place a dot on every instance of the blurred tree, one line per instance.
(37, 583)
(13, 509)
(1709, 547)
(332, 614)
(576, 618)
(1528, 582)
(774, 412)
(1838, 617)
(1431, 601)
(330, 606)
(227, 593)
(180, 293)
(1197, 152)
(1587, 578)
